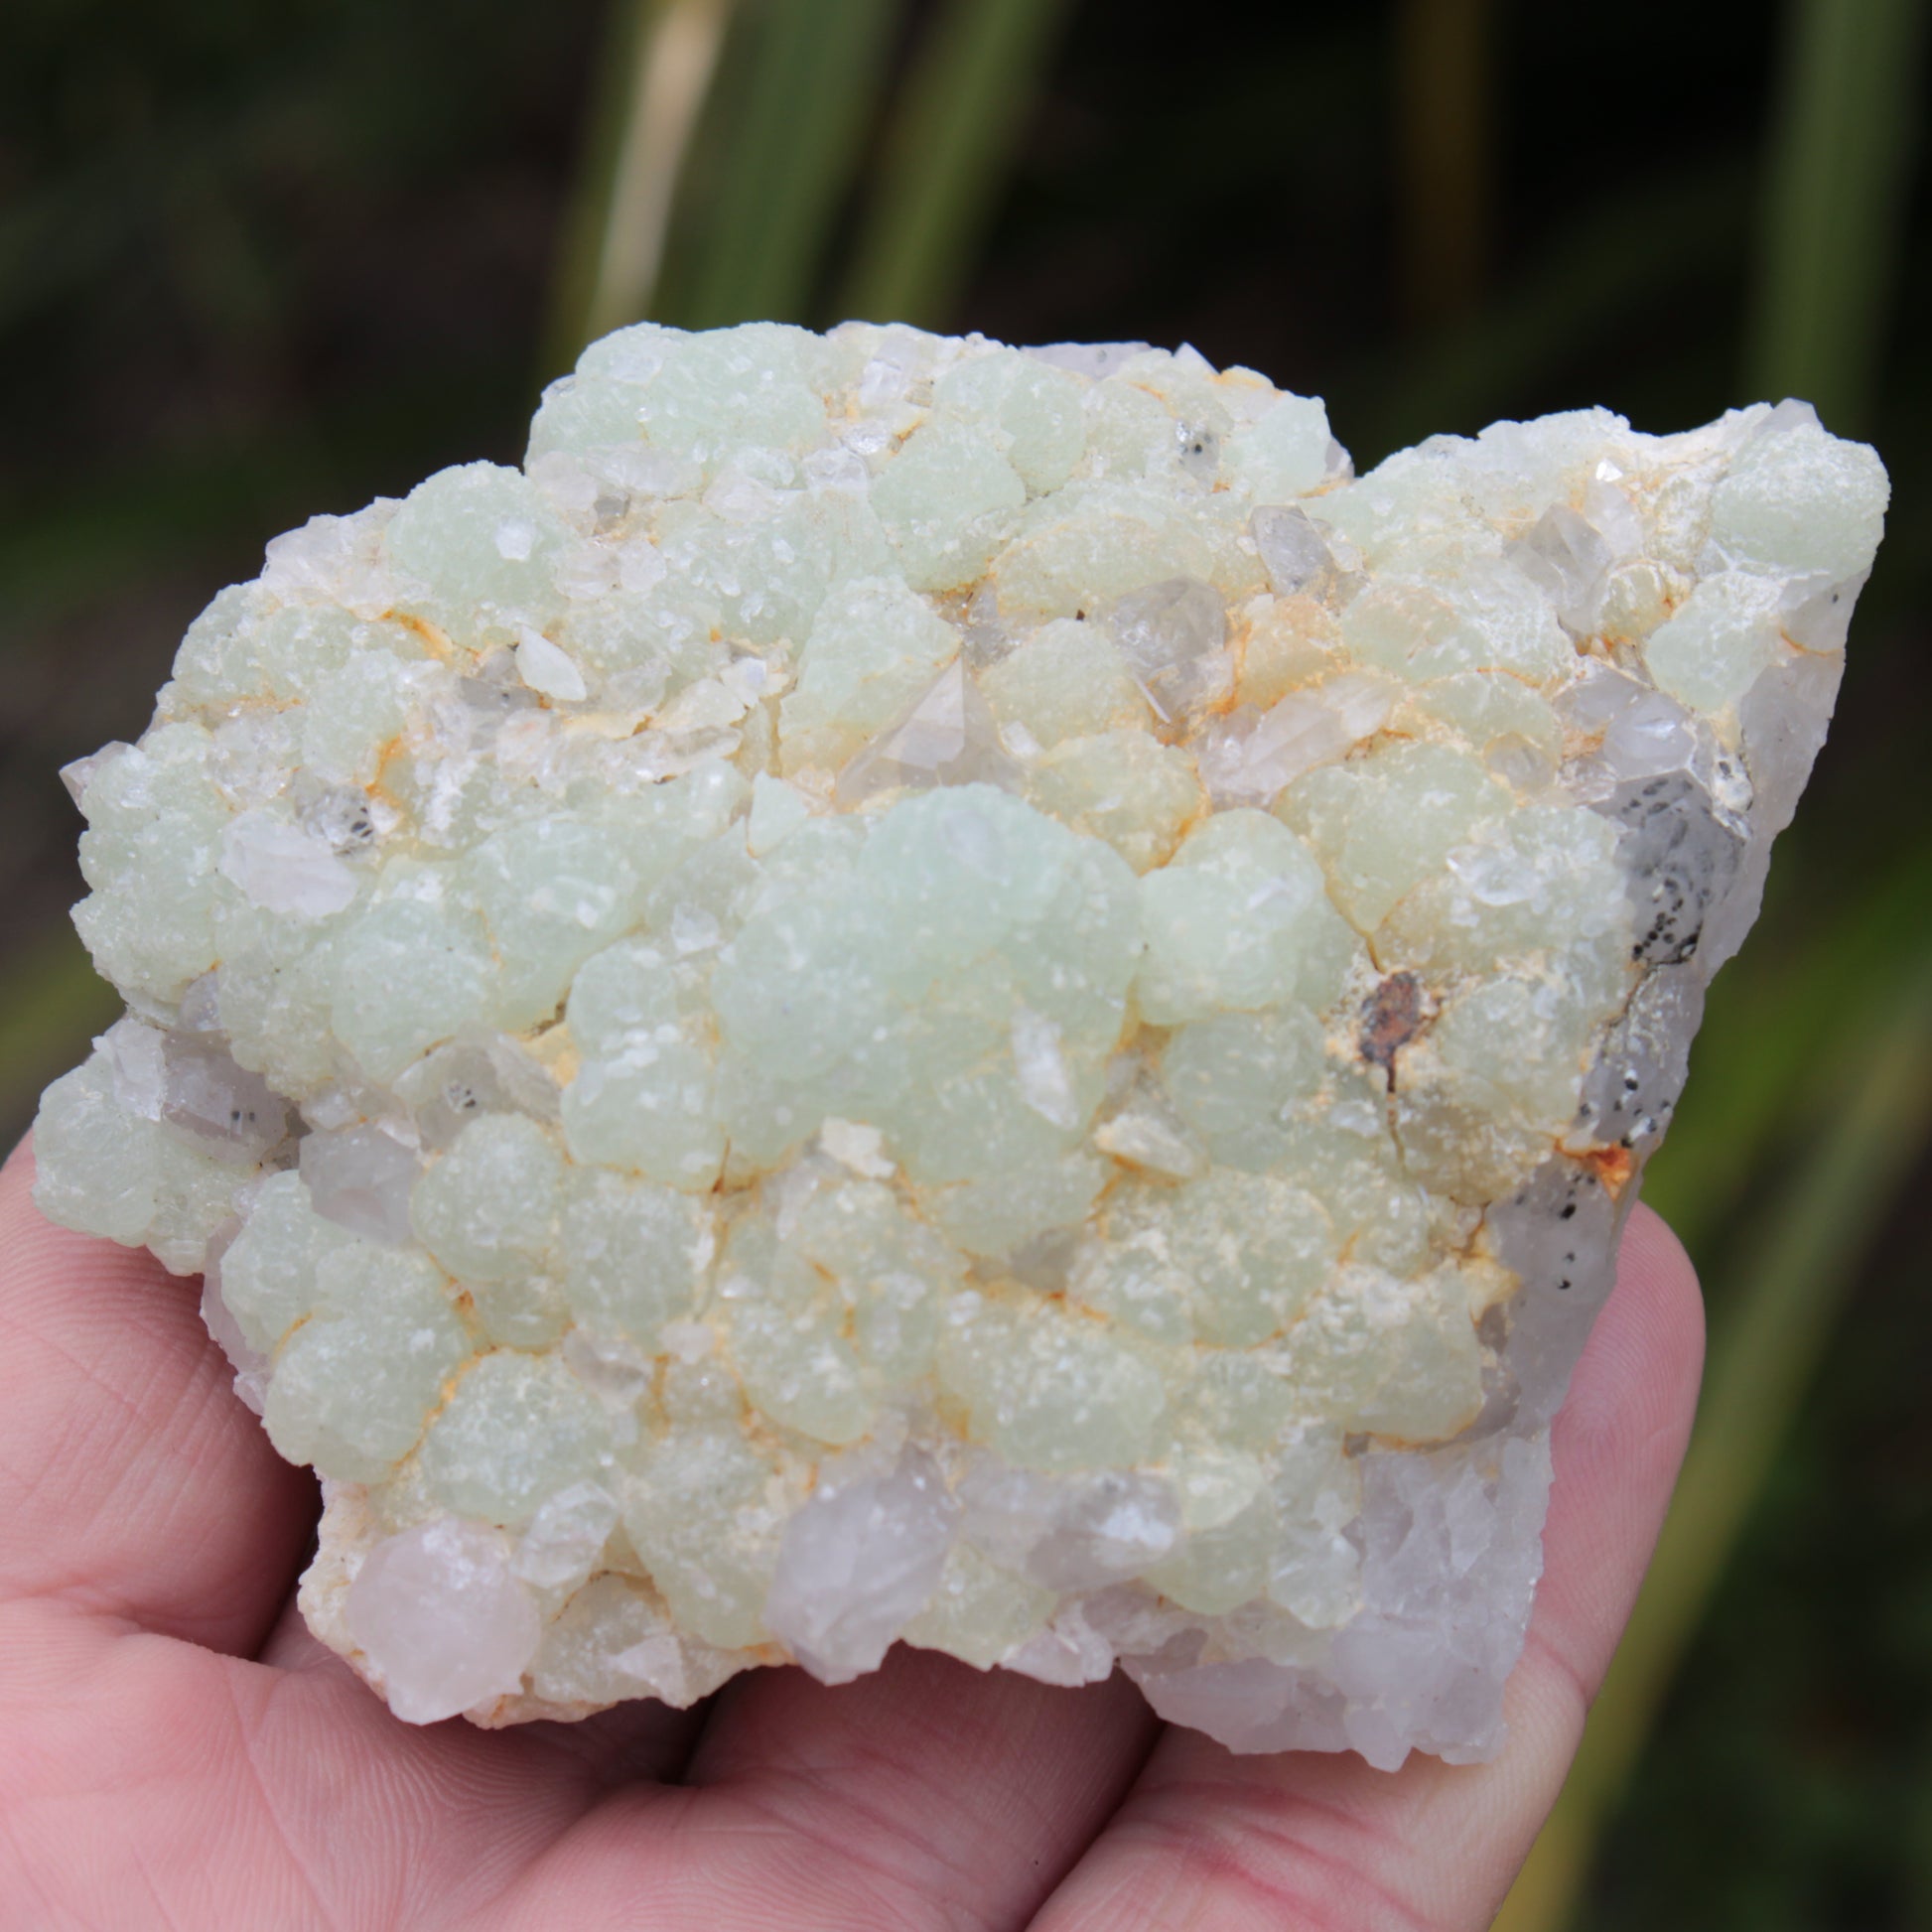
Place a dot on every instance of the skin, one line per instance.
(176, 1752)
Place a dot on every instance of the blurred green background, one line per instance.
(260, 258)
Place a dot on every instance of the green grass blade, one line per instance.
(580, 228)
(951, 133)
(662, 59)
(814, 76)
(1843, 149)
(1802, 1256)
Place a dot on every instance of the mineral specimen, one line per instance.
(920, 992)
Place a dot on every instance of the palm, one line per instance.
(176, 1750)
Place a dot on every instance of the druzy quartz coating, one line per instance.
(918, 992)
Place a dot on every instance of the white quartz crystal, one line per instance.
(438, 1611)
(918, 992)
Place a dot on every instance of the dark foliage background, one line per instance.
(260, 258)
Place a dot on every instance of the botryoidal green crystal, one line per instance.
(914, 990)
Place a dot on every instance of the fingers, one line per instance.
(974, 1789)
(132, 1482)
(1209, 1841)
(147, 1783)
(927, 1795)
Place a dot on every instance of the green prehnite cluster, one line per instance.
(918, 991)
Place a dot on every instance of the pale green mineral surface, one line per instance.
(920, 991)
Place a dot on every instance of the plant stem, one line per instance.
(959, 113)
(813, 84)
(663, 57)
(1843, 141)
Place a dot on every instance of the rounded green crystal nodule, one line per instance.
(916, 990)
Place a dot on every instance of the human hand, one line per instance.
(176, 1750)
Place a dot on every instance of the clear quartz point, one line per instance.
(449, 1088)
(1567, 557)
(1250, 758)
(1293, 552)
(948, 737)
(1088, 359)
(78, 774)
(225, 1107)
(1171, 636)
(360, 1179)
(859, 1562)
(439, 1612)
